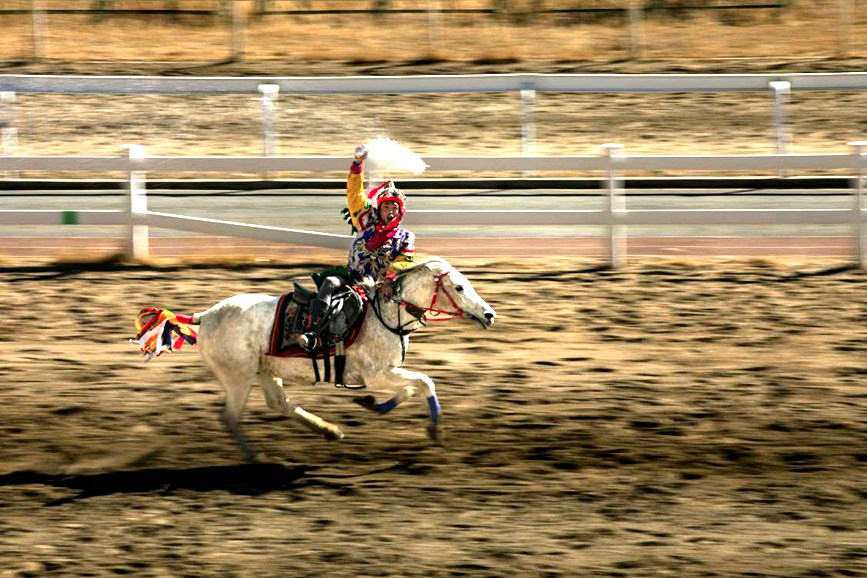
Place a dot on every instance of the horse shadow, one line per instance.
(241, 479)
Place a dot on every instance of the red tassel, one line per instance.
(188, 319)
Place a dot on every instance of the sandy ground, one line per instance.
(669, 419)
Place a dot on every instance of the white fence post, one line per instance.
(269, 98)
(37, 18)
(781, 91)
(137, 205)
(616, 204)
(858, 202)
(8, 130)
(528, 126)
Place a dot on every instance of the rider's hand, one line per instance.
(387, 289)
(360, 153)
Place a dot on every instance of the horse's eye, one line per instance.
(459, 287)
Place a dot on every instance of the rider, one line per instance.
(381, 247)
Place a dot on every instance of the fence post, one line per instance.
(8, 131)
(434, 25)
(636, 34)
(238, 35)
(844, 21)
(781, 90)
(269, 98)
(528, 124)
(616, 245)
(857, 148)
(37, 17)
(137, 206)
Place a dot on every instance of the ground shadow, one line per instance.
(244, 479)
(248, 479)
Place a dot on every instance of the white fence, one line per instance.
(437, 83)
(615, 217)
(525, 85)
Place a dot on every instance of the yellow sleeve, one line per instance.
(356, 200)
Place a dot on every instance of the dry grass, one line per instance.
(803, 29)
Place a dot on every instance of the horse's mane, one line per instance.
(431, 263)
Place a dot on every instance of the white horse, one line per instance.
(234, 339)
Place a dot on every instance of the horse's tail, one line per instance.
(161, 330)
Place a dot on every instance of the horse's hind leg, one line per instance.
(275, 397)
(237, 392)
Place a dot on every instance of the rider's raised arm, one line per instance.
(357, 201)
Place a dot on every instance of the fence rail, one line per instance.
(615, 217)
(524, 85)
(374, 8)
(444, 83)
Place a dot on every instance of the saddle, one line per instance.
(337, 330)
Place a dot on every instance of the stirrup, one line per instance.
(307, 341)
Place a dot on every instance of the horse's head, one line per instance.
(443, 292)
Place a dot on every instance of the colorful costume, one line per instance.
(379, 249)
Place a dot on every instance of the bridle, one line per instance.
(419, 314)
(436, 313)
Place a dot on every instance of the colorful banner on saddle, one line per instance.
(160, 330)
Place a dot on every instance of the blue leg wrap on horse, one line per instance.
(434, 405)
(386, 406)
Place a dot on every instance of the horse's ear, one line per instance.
(437, 264)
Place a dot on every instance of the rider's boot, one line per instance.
(308, 339)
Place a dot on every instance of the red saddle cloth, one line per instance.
(289, 321)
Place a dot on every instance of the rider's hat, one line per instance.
(388, 192)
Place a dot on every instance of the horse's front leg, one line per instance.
(407, 383)
(275, 397)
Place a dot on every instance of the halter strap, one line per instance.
(402, 330)
(437, 314)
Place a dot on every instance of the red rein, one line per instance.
(438, 313)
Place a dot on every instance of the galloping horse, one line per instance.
(234, 340)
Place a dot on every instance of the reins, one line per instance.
(418, 313)
(400, 330)
(433, 310)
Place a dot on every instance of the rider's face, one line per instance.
(388, 211)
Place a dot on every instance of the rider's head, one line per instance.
(390, 203)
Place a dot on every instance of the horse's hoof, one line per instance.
(253, 457)
(368, 402)
(260, 458)
(333, 435)
(436, 433)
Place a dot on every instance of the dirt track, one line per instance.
(671, 419)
